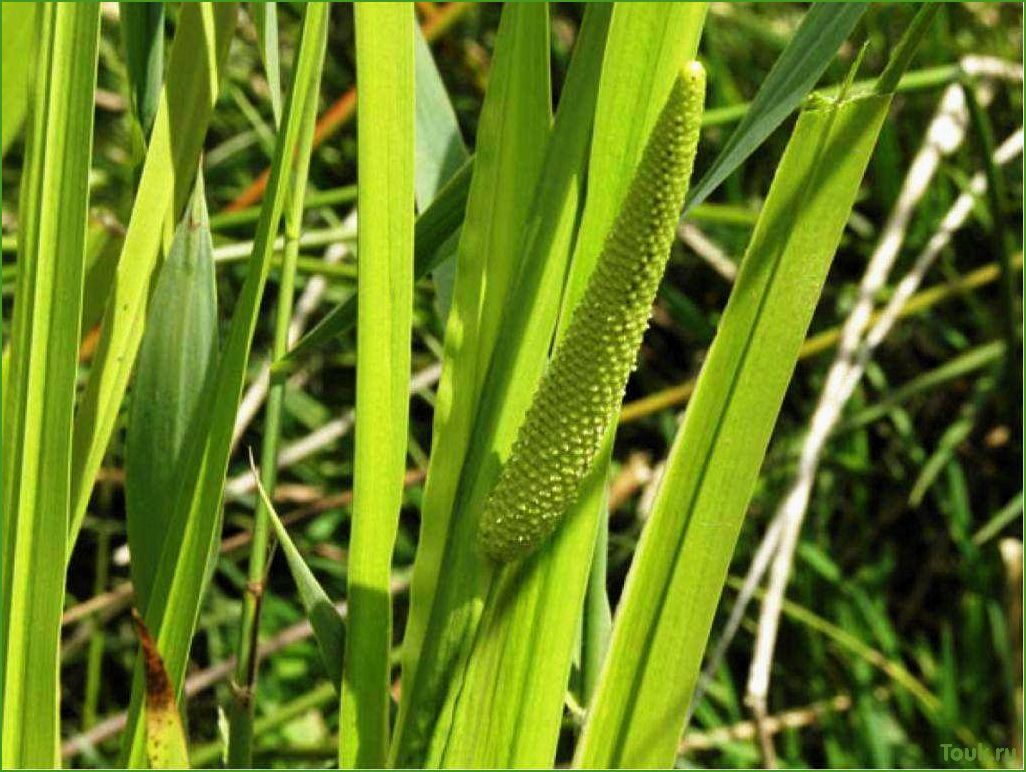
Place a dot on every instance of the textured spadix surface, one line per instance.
(585, 380)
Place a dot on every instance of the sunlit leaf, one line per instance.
(172, 609)
(385, 129)
(512, 134)
(41, 384)
(658, 639)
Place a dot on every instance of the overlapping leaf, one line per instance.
(197, 55)
(512, 135)
(521, 657)
(678, 571)
(385, 133)
(178, 352)
(44, 368)
(178, 583)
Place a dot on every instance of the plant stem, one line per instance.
(208, 754)
(240, 739)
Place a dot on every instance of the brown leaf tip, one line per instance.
(159, 693)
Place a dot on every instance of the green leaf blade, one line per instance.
(658, 641)
(181, 576)
(18, 28)
(327, 623)
(44, 364)
(384, 56)
(795, 72)
(441, 153)
(512, 134)
(265, 19)
(142, 33)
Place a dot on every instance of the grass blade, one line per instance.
(597, 625)
(658, 641)
(18, 29)
(44, 366)
(142, 34)
(512, 134)
(440, 151)
(265, 19)
(178, 352)
(440, 155)
(385, 127)
(328, 625)
(173, 607)
(164, 187)
(247, 665)
(814, 44)
(529, 633)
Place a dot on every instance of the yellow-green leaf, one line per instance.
(512, 134)
(44, 367)
(675, 581)
(385, 133)
(18, 30)
(172, 609)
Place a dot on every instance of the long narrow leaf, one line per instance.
(512, 134)
(265, 18)
(327, 623)
(142, 35)
(44, 364)
(247, 659)
(174, 603)
(197, 56)
(18, 30)
(814, 44)
(385, 133)
(522, 654)
(658, 638)
(440, 151)
(440, 155)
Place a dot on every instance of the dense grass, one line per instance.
(897, 572)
